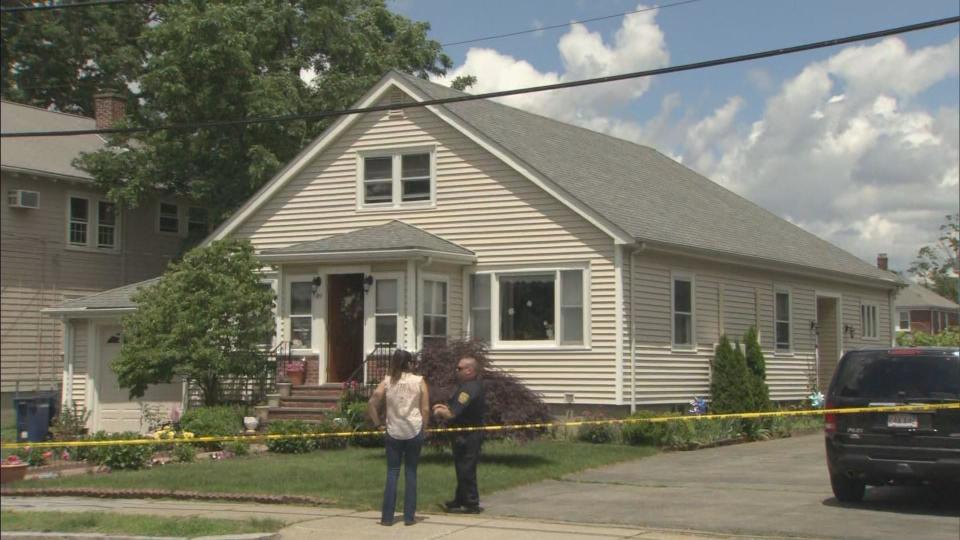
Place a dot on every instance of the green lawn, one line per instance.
(105, 523)
(354, 477)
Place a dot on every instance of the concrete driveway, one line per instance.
(774, 488)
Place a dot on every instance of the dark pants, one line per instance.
(406, 452)
(466, 454)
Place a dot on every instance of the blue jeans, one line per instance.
(408, 453)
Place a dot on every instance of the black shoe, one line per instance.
(386, 523)
(472, 509)
(409, 523)
(451, 506)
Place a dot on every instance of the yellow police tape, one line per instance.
(505, 427)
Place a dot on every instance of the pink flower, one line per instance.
(65, 455)
(47, 455)
(13, 459)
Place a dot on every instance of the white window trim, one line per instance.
(421, 307)
(467, 314)
(692, 278)
(397, 203)
(288, 302)
(789, 351)
(93, 224)
(498, 345)
(865, 308)
(909, 322)
(180, 219)
(274, 282)
(370, 311)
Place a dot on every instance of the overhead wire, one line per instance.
(564, 25)
(501, 93)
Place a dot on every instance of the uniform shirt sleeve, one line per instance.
(462, 398)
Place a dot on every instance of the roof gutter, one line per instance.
(358, 256)
(768, 264)
(52, 175)
(86, 313)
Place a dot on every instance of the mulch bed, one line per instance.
(163, 494)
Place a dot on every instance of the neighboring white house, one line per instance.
(600, 271)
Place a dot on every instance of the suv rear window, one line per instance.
(878, 375)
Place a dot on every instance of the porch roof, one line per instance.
(391, 240)
(105, 303)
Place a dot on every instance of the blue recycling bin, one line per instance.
(33, 416)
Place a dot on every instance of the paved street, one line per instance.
(767, 488)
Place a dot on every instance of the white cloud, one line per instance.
(844, 151)
(637, 45)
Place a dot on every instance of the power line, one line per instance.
(503, 93)
(563, 25)
(48, 7)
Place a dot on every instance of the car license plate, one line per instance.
(902, 420)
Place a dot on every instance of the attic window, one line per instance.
(394, 179)
(396, 98)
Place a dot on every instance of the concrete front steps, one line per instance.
(310, 403)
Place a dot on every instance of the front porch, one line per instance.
(358, 296)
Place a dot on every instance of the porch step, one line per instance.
(312, 414)
(313, 401)
(323, 390)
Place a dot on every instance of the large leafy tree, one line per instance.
(210, 60)
(936, 265)
(60, 58)
(206, 319)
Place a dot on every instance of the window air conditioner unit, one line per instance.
(21, 198)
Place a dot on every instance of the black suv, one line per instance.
(883, 448)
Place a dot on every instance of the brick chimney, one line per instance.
(109, 107)
(882, 261)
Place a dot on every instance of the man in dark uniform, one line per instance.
(465, 408)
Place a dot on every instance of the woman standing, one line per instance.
(408, 410)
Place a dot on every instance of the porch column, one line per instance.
(410, 317)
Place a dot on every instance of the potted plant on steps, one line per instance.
(296, 371)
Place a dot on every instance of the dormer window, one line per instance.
(395, 179)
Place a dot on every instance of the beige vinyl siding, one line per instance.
(483, 205)
(80, 362)
(40, 270)
(732, 298)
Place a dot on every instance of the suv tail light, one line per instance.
(829, 420)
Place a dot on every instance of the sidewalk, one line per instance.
(312, 522)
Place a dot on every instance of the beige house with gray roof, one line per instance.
(62, 240)
(600, 272)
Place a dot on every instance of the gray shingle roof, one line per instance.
(392, 236)
(918, 296)
(118, 298)
(645, 193)
(51, 155)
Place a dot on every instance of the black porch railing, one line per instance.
(364, 380)
(249, 390)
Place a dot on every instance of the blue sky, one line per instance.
(732, 123)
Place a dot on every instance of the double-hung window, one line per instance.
(169, 218)
(92, 223)
(683, 324)
(301, 315)
(386, 312)
(539, 307)
(396, 179)
(434, 312)
(868, 320)
(903, 320)
(197, 224)
(79, 221)
(782, 320)
(480, 306)
(106, 225)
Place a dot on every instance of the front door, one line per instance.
(344, 326)
(828, 340)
